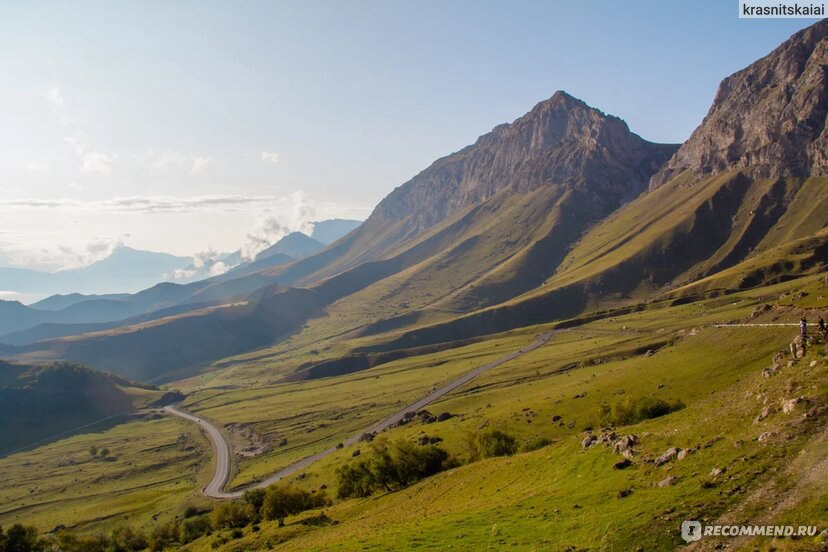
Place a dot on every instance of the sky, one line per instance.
(197, 126)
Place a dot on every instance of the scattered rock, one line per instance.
(685, 453)
(444, 416)
(789, 405)
(622, 464)
(555, 418)
(668, 482)
(668, 455)
(812, 364)
(624, 493)
(716, 472)
(355, 453)
(339, 445)
(588, 440)
(625, 444)
(367, 437)
(649, 353)
(765, 436)
(763, 415)
(580, 395)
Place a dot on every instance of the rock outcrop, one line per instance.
(769, 116)
(561, 140)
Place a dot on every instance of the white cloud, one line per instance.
(272, 226)
(271, 156)
(91, 159)
(34, 166)
(54, 97)
(174, 160)
(60, 256)
(74, 186)
(95, 161)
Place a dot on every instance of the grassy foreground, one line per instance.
(563, 497)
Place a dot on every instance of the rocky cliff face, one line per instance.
(770, 116)
(562, 141)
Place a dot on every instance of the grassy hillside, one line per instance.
(39, 403)
(562, 495)
(154, 466)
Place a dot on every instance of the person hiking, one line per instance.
(803, 329)
(822, 329)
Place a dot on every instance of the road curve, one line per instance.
(222, 447)
(222, 453)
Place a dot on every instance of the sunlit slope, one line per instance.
(564, 496)
(684, 231)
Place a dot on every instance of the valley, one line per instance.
(562, 336)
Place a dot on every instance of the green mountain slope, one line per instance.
(40, 402)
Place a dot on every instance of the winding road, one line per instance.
(222, 448)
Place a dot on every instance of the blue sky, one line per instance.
(185, 126)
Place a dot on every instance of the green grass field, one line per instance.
(153, 469)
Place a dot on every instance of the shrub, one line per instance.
(536, 444)
(282, 501)
(255, 499)
(632, 410)
(391, 466)
(127, 539)
(355, 480)
(195, 527)
(163, 536)
(496, 443)
(230, 515)
(20, 538)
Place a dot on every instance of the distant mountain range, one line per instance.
(559, 214)
(129, 270)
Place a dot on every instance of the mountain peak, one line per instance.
(561, 141)
(769, 116)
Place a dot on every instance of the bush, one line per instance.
(632, 410)
(195, 527)
(282, 501)
(20, 539)
(255, 498)
(496, 443)
(163, 536)
(536, 444)
(127, 539)
(391, 466)
(230, 515)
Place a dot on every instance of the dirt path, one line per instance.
(223, 449)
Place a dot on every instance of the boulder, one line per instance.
(622, 464)
(685, 453)
(668, 482)
(790, 405)
(669, 454)
(763, 415)
(588, 441)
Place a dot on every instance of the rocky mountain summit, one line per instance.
(770, 116)
(561, 141)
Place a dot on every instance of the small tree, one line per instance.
(496, 443)
(163, 536)
(21, 539)
(127, 539)
(255, 499)
(93, 450)
(194, 527)
(103, 453)
(282, 501)
(231, 515)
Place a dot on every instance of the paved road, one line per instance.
(222, 450)
(222, 447)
